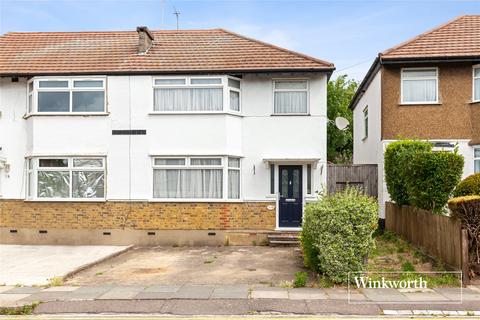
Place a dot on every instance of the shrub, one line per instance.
(431, 177)
(300, 279)
(468, 186)
(396, 162)
(337, 233)
(467, 209)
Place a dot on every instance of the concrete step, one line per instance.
(284, 239)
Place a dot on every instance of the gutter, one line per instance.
(169, 72)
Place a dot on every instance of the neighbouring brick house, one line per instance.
(156, 136)
(425, 88)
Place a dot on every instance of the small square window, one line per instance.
(53, 163)
(206, 81)
(88, 83)
(166, 82)
(53, 84)
(170, 162)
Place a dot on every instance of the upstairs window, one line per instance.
(365, 122)
(66, 178)
(419, 86)
(196, 94)
(476, 84)
(66, 95)
(290, 96)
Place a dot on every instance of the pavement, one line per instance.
(241, 299)
(36, 265)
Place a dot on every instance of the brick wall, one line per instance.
(137, 215)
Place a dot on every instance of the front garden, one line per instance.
(340, 235)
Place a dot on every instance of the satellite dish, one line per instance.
(341, 123)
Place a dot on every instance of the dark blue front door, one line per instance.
(291, 199)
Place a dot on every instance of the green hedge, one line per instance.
(337, 233)
(417, 176)
(396, 162)
(431, 178)
(468, 186)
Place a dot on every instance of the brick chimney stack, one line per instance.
(145, 40)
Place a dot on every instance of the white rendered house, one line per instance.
(170, 132)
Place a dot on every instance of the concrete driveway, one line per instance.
(36, 265)
(195, 265)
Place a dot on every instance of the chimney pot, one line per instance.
(145, 39)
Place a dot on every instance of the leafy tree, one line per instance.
(340, 143)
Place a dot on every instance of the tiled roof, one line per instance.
(173, 51)
(457, 38)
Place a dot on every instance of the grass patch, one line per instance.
(19, 311)
(301, 278)
(55, 282)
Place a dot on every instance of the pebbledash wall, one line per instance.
(129, 212)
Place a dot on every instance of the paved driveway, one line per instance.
(196, 265)
(35, 265)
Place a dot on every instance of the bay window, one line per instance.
(66, 178)
(70, 95)
(476, 84)
(196, 94)
(290, 96)
(419, 85)
(196, 178)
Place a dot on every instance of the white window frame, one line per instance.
(33, 109)
(475, 158)
(223, 85)
(307, 90)
(475, 67)
(239, 90)
(365, 123)
(35, 168)
(436, 78)
(239, 169)
(188, 166)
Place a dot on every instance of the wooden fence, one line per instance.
(439, 236)
(363, 176)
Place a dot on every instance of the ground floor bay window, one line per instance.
(196, 178)
(66, 178)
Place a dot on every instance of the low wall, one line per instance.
(437, 235)
(116, 222)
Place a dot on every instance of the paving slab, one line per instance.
(269, 293)
(5, 288)
(154, 296)
(236, 291)
(88, 292)
(306, 294)
(162, 288)
(194, 292)
(60, 289)
(121, 293)
(425, 296)
(384, 295)
(36, 265)
(343, 294)
(21, 290)
(455, 294)
(12, 300)
(45, 296)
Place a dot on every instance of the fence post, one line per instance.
(465, 258)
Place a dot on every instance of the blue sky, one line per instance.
(347, 33)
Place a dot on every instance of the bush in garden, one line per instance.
(337, 233)
(396, 162)
(467, 209)
(468, 186)
(431, 177)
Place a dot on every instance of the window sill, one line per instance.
(196, 113)
(290, 114)
(364, 138)
(475, 102)
(65, 200)
(420, 104)
(68, 114)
